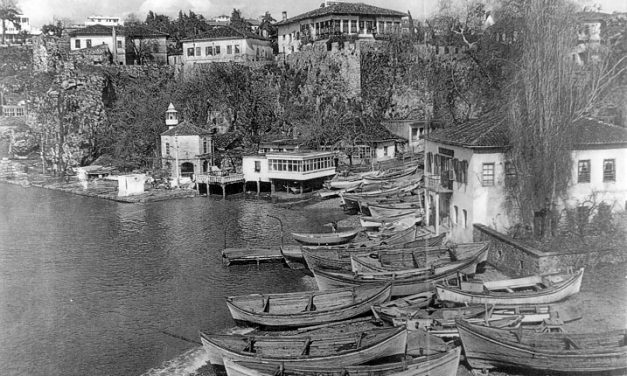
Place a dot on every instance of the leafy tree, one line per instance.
(238, 22)
(53, 29)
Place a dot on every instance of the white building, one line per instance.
(15, 32)
(225, 44)
(289, 169)
(104, 20)
(186, 150)
(336, 18)
(466, 170)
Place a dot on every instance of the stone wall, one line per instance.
(517, 259)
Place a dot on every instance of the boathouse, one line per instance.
(289, 171)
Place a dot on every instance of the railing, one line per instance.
(436, 184)
(14, 111)
(216, 179)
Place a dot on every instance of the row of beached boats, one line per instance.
(405, 303)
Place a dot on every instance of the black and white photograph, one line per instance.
(313, 187)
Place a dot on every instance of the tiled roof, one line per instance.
(359, 9)
(185, 129)
(131, 31)
(593, 132)
(224, 32)
(226, 140)
(490, 132)
(485, 132)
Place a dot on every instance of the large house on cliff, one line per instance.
(336, 18)
(225, 44)
(128, 45)
(466, 170)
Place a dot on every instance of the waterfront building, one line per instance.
(186, 149)
(412, 130)
(225, 44)
(285, 170)
(466, 171)
(336, 18)
(128, 45)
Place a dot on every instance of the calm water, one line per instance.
(87, 285)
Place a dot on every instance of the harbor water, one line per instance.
(95, 287)
(90, 286)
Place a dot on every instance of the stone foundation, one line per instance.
(517, 259)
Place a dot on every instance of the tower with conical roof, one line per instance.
(171, 117)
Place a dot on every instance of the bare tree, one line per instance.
(549, 92)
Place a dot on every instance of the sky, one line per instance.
(42, 11)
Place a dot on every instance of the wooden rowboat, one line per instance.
(439, 364)
(539, 289)
(376, 222)
(340, 258)
(392, 209)
(487, 348)
(394, 260)
(406, 282)
(307, 308)
(339, 237)
(314, 350)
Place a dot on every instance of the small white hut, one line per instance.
(129, 185)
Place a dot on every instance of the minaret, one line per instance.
(171, 117)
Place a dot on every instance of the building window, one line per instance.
(229, 49)
(167, 148)
(205, 146)
(487, 174)
(88, 43)
(217, 51)
(385, 150)
(257, 166)
(197, 51)
(609, 170)
(119, 44)
(155, 48)
(429, 161)
(190, 51)
(465, 213)
(455, 215)
(209, 51)
(353, 26)
(583, 171)
(77, 43)
(345, 26)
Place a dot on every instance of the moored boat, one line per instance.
(406, 282)
(538, 289)
(439, 364)
(305, 308)
(326, 238)
(392, 209)
(487, 348)
(313, 350)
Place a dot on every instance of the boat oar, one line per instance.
(181, 338)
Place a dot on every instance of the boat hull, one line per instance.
(435, 365)
(391, 345)
(487, 348)
(326, 238)
(322, 314)
(549, 295)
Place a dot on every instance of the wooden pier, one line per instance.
(248, 255)
(222, 180)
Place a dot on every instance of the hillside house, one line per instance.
(411, 130)
(128, 45)
(225, 44)
(466, 170)
(336, 18)
(17, 32)
(186, 150)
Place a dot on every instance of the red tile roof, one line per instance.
(594, 133)
(359, 9)
(131, 31)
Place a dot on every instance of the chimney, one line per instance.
(115, 46)
(171, 117)
(284, 15)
